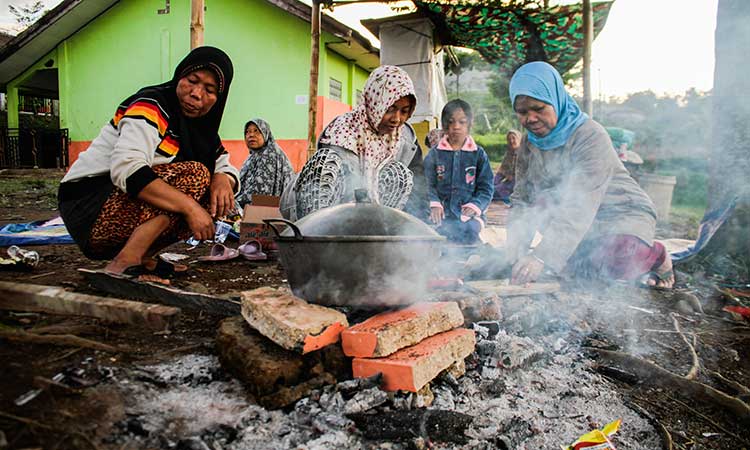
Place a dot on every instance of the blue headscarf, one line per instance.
(542, 82)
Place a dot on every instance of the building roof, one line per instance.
(25, 49)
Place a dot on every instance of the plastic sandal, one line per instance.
(252, 251)
(220, 252)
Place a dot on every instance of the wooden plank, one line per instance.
(56, 300)
(122, 286)
(503, 289)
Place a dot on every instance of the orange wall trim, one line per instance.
(295, 149)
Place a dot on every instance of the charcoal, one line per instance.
(192, 443)
(493, 327)
(432, 424)
(443, 399)
(331, 401)
(366, 400)
(326, 423)
(350, 387)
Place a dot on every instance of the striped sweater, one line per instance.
(138, 137)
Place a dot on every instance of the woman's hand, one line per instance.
(200, 222)
(437, 215)
(222, 195)
(526, 270)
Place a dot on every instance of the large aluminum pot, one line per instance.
(358, 254)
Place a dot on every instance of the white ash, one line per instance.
(525, 392)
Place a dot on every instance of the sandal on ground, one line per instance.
(658, 278)
(162, 269)
(220, 252)
(252, 251)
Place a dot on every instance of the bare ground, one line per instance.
(96, 416)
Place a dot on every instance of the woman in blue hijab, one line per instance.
(571, 188)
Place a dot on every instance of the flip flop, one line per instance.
(220, 252)
(657, 278)
(162, 269)
(252, 251)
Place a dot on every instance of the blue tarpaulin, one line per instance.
(41, 232)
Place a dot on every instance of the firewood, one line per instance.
(59, 339)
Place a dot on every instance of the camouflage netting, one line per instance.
(509, 36)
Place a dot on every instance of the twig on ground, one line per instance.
(34, 423)
(708, 419)
(33, 277)
(60, 339)
(64, 328)
(64, 355)
(739, 387)
(654, 375)
(693, 372)
(665, 435)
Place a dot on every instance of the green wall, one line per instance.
(131, 46)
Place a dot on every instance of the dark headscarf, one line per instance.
(266, 170)
(198, 137)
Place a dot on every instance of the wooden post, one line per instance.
(588, 40)
(197, 16)
(312, 99)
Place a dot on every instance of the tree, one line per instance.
(28, 13)
(467, 60)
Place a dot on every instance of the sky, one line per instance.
(666, 46)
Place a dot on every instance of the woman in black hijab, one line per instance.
(157, 172)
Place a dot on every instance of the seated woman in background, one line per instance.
(459, 177)
(571, 187)
(433, 137)
(266, 169)
(505, 178)
(371, 147)
(157, 172)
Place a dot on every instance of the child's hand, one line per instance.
(466, 211)
(437, 215)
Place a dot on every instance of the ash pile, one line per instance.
(468, 370)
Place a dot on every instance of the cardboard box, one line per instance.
(252, 226)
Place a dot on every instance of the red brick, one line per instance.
(385, 333)
(290, 321)
(412, 368)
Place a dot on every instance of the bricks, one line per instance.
(412, 368)
(385, 333)
(291, 322)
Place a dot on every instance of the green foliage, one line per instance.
(494, 144)
(665, 126)
(691, 189)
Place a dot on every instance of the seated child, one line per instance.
(459, 177)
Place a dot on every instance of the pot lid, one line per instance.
(361, 218)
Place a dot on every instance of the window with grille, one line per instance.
(334, 89)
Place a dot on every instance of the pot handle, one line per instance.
(290, 224)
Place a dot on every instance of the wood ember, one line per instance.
(435, 425)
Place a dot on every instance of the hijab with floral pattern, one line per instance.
(357, 130)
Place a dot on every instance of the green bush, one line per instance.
(691, 189)
(494, 144)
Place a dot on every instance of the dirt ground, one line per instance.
(88, 416)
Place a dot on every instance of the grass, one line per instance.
(24, 191)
